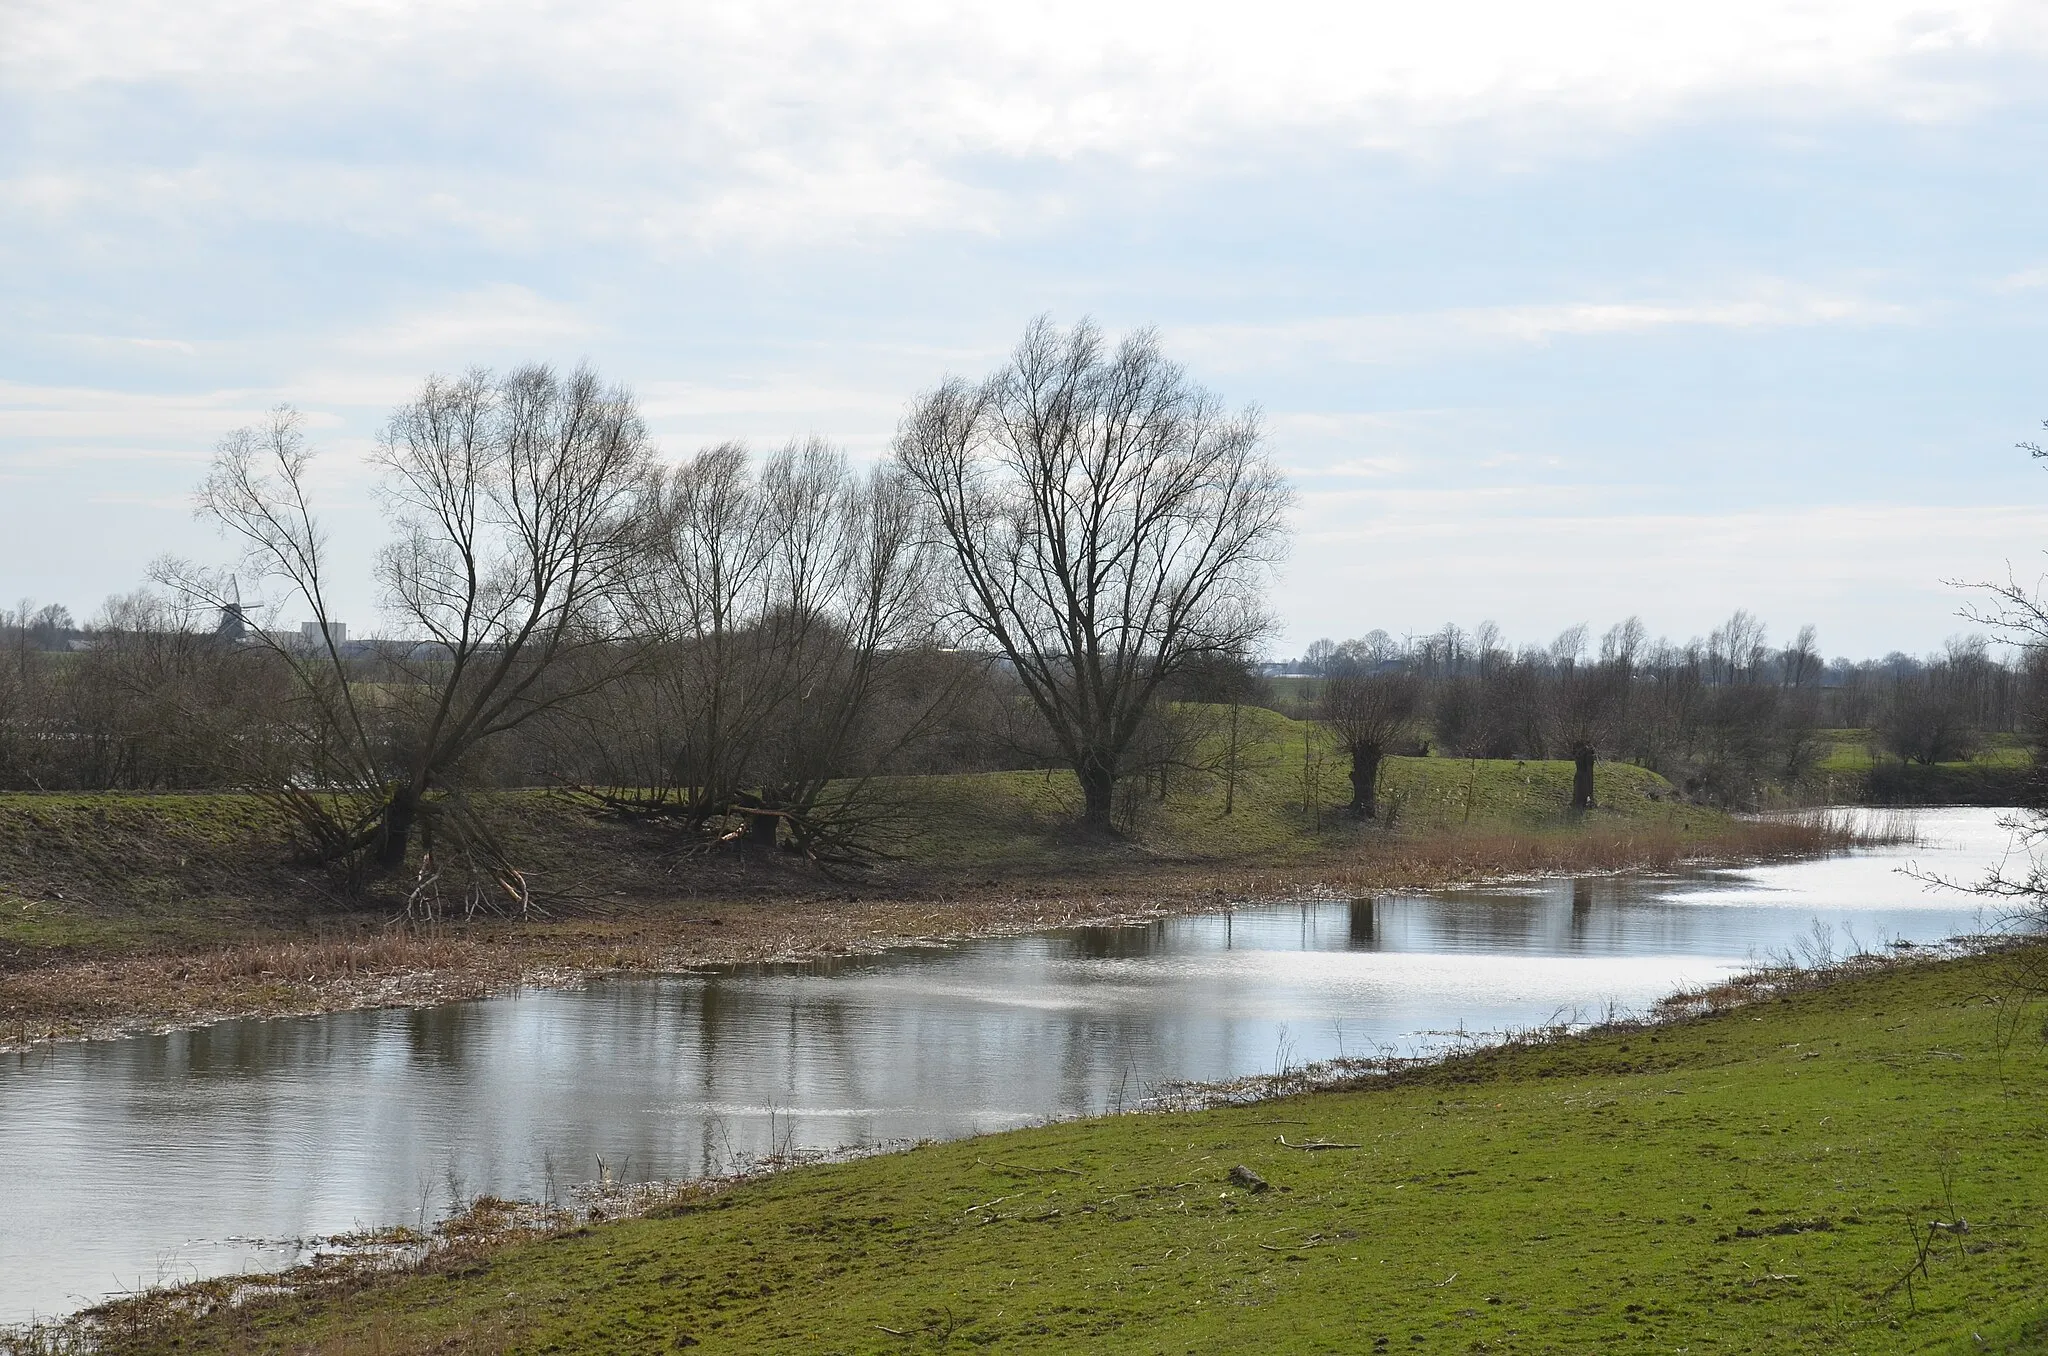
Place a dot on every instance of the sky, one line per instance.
(1555, 313)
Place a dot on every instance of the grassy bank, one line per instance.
(120, 912)
(1853, 768)
(100, 874)
(1759, 1179)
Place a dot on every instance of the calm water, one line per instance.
(156, 1158)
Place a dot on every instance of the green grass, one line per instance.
(1851, 752)
(117, 871)
(114, 871)
(1292, 787)
(1740, 1183)
(1856, 769)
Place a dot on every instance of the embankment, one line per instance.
(1850, 1166)
(121, 913)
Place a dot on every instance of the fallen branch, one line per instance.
(1022, 1167)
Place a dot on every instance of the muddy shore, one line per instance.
(367, 961)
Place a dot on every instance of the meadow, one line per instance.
(1851, 1162)
(131, 911)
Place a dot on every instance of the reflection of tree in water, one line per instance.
(1363, 932)
(1466, 920)
(441, 1036)
(1132, 941)
(251, 1046)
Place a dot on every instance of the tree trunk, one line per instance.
(760, 834)
(1582, 778)
(1365, 778)
(1098, 797)
(396, 840)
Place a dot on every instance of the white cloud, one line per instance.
(787, 118)
(499, 318)
(1395, 337)
(1873, 574)
(71, 412)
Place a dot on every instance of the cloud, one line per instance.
(73, 412)
(2024, 280)
(785, 119)
(1397, 337)
(1872, 573)
(498, 318)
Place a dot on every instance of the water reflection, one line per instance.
(154, 1158)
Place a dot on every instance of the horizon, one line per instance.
(1554, 319)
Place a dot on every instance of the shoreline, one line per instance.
(98, 998)
(488, 1227)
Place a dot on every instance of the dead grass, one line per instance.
(98, 996)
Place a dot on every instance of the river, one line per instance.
(151, 1159)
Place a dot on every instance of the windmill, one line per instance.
(234, 626)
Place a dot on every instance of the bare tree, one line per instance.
(514, 503)
(1371, 713)
(1109, 522)
(1588, 702)
(784, 603)
(1925, 718)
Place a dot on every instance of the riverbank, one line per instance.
(296, 959)
(1759, 1174)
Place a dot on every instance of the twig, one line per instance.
(1022, 1167)
(1445, 1281)
(893, 1332)
(1310, 1146)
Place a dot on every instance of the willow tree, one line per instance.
(782, 600)
(1109, 523)
(514, 503)
(1371, 712)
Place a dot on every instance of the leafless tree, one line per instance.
(515, 507)
(787, 604)
(1370, 713)
(28, 701)
(1588, 700)
(1109, 523)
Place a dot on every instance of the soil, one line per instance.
(334, 959)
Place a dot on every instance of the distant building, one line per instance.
(234, 623)
(309, 634)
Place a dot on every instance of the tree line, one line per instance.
(1065, 563)
(741, 647)
(1729, 718)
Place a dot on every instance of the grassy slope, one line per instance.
(115, 872)
(1997, 775)
(1022, 819)
(119, 871)
(1740, 1183)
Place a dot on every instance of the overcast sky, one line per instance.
(1556, 312)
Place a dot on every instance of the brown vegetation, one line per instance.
(357, 963)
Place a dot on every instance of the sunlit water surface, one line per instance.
(157, 1158)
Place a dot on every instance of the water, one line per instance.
(159, 1158)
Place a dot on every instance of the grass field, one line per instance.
(1852, 767)
(1291, 787)
(1758, 1180)
(118, 871)
(129, 912)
